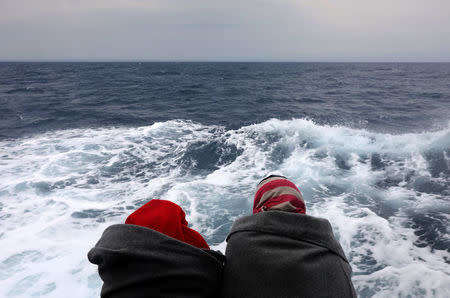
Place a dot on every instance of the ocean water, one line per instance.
(82, 145)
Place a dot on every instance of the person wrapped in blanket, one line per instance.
(278, 251)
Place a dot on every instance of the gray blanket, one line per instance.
(269, 254)
(135, 262)
(279, 254)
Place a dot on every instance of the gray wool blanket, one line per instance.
(269, 254)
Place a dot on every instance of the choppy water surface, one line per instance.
(82, 147)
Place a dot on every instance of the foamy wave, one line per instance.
(381, 192)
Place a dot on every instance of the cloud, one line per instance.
(225, 30)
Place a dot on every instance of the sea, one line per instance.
(83, 145)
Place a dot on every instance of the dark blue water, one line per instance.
(397, 98)
(84, 144)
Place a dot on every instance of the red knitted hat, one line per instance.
(167, 218)
(278, 193)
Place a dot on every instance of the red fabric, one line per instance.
(167, 218)
(299, 205)
(296, 202)
(271, 185)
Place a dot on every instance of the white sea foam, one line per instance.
(60, 190)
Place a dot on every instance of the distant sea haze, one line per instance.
(82, 145)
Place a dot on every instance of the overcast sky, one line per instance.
(227, 30)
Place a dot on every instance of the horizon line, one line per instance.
(207, 61)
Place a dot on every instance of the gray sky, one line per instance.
(227, 30)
